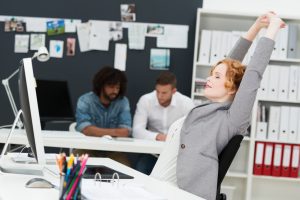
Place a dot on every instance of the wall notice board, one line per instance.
(79, 69)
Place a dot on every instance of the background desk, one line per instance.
(66, 139)
(12, 185)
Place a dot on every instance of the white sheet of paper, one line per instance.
(70, 25)
(108, 191)
(36, 24)
(136, 36)
(120, 56)
(56, 48)
(99, 35)
(175, 36)
(37, 41)
(83, 33)
(21, 43)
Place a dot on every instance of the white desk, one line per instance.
(66, 139)
(12, 186)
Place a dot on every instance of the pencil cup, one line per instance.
(61, 185)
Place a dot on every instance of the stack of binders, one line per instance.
(276, 159)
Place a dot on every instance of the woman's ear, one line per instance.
(232, 91)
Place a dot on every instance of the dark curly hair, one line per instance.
(109, 76)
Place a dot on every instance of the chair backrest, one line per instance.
(227, 155)
(72, 127)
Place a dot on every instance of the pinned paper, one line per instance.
(128, 12)
(21, 43)
(37, 41)
(160, 59)
(36, 24)
(175, 36)
(71, 46)
(136, 36)
(56, 48)
(99, 35)
(70, 25)
(14, 25)
(116, 31)
(120, 56)
(56, 27)
(83, 33)
(155, 30)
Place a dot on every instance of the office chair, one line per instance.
(72, 129)
(225, 159)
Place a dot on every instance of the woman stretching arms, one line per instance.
(190, 160)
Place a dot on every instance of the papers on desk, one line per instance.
(122, 191)
(23, 157)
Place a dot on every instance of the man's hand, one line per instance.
(161, 137)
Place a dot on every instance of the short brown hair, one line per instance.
(109, 76)
(234, 74)
(166, 78)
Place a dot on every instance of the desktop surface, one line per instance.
(67, 139)
(10, 183)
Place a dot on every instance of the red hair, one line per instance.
(234, 74)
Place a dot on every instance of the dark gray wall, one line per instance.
(79, 70)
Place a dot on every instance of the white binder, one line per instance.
(215, 47)
(292, 41)
(293, 124)
(263, 90)
(284, 123)
(273, 84)
(293, 83)
(298, 85)
(261, 130)
(283, 87)
(205, 45)
(298, 126)
(274, 121)
(275, 53)
(283, 44)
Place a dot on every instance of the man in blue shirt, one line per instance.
(105, 111)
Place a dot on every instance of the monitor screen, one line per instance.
(30, 111)
(54, 100)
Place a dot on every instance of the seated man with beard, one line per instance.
(105, 111)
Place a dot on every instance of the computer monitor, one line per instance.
(30, 111)
(31, 120)
(54, 100)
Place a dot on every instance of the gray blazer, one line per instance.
(208, 128)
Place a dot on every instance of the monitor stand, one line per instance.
(7, 165)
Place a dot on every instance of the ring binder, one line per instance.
(114, 188)
(114, 179)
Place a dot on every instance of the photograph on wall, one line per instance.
(116, 31)
(128, 12)
(21, 43)
(160, 59)
(14, 25)
(37, 41)
(56, 48)
(56, 27)
(71, 43)
(155, 30)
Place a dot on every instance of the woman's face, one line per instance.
(215, 89)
